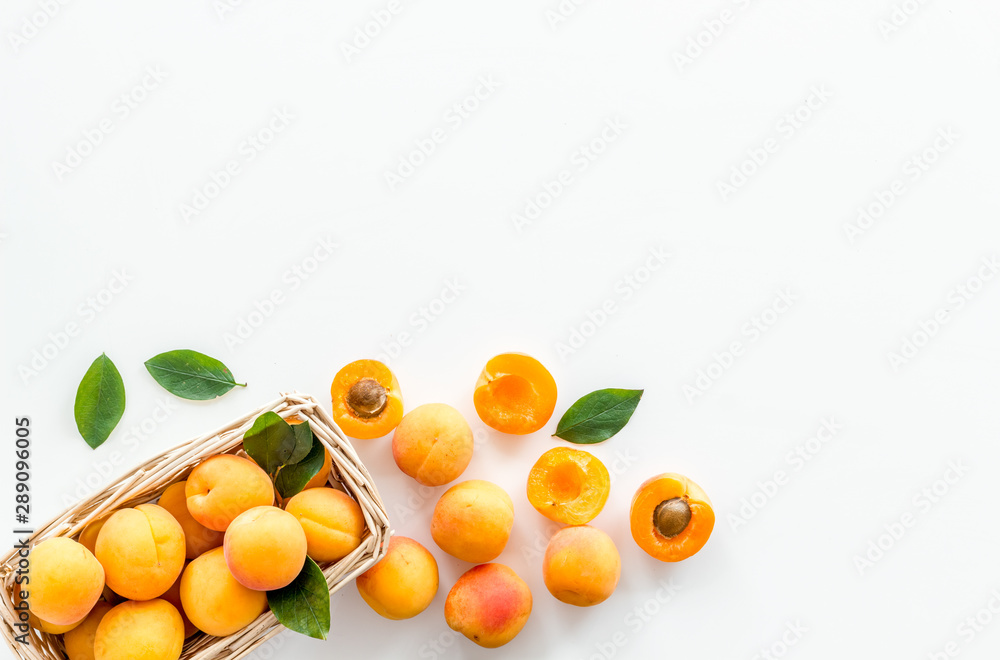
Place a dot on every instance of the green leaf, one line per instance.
(191, 375)
(272, 442)
(304, 605)
(100, 401)
(291, 479)
(303, 442)
(598, 416)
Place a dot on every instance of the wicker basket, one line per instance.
(146, 483)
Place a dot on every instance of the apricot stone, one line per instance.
(265, 548)
(433, 444)
(142, 551)
(212, 598)
(224, 486)
(332, 521)
(66, 581)
(489, 604)
(472, 521)
(581, 566)
(197, 537)
(140, 630)
(403, 583)
(80, 641)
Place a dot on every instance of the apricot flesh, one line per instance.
(197, 537)
(581, 566)
(472, 521)
(79, 641)
(433, 444)
(367, 401)
(66, 581)
(568, 485)
(265, 548)
(489, 604)
(212, 598)
(333, 522)
(403, 583)
(142, 551)
(671, 517)
(224, 486)
(515, 394)
(140, 630)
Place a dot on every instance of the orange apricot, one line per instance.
(212, 598)
(568, 485)
(489, 604)
(581, 566)
(20, 594)
(265, 548)
(472, 521)
(142, 551)
(224, 486)
(140, 630)
(671, 517)
(197, 537)
(173, 596)
(433, 444)
(79, 642)
(66, 581)
(403, 583)
(367, 401)
(88, 537)
(333, 522)
(515, 394)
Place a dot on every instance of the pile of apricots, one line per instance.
(671, 517)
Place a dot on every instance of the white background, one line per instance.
(686, 125)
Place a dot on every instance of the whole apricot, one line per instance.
(568, 485)
(265, 548)
(19, 594)
(79, 641)
(473, 520)
(332, 521)
(433, 444)
(581, 566)
(367, 401)
(212, 598)
(142, 551)
(515, 394)
(66, 581)
(489, 604)
(197, 537)
(224, 486)
(140, 630)
(671, 517)
(403, 583)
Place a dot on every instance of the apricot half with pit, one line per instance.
(671, 517)
(515, 394)
(367, 402)
(568, 485)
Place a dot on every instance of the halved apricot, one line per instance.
(515, 394)
(568, 485)
(671, 517)
(367, 402)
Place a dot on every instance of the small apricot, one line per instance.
(473, 520)
(489, 604)
(671, 517)
(66, 581)
(212, 598)
(433, 444)
(140, 630)
(224, 486)
(581, 566)
(88, 537)
(403, 583)
(197, 537)
(79, 641)
(367, 402)
(19, 594)
(568, 485)
(265, 548)
(332, 521)
(142, 551)
(515, 394)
